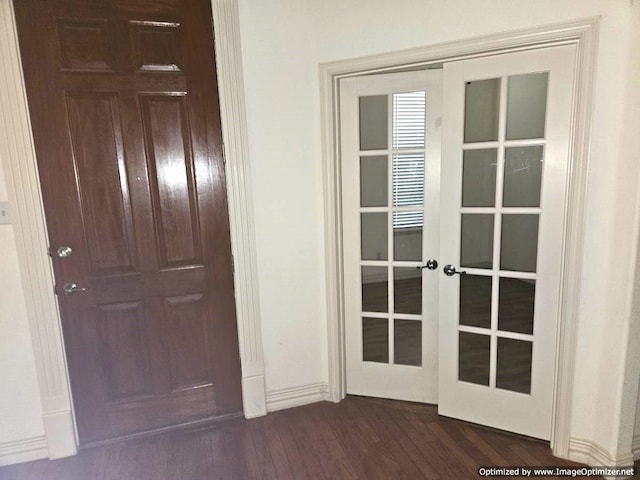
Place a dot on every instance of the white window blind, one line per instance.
(408, 120)
(408, 168)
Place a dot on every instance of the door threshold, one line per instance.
(185, 427)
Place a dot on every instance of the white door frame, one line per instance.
(582, 34)
(19, 164)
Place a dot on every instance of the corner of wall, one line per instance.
(635, 447)
(297, 396)
(25, 450)
(585, 451)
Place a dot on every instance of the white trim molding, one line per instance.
(582, 34)
(234, 132)
(594, 455)
(25, 450)
(18, 156)
(19, 162)
(297, 396)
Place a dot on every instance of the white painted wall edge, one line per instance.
(635, 447)
(297, 396)
(60, 432)
(254, 400)
(582, 33)
(233, 111)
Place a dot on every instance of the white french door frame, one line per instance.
(583, 35)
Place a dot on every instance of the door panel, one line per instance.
(390, 150)
(98, 151)
(125, 117)
(189, 346)
(124, 351)
(506, 134)
(172, 181)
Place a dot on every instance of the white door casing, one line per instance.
(583, 35)
(520, 412)
(391, 377)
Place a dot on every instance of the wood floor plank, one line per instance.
(406, 467)
(190, 456)
(235, 461)
(445, 439)
(261, 448)
(251, 456)
(423, 439)
(294, 427)
(392, 420)
(327, 424)
(290, 448)
(358, 446)
(284, 469)
(492, 454)
(359, 438)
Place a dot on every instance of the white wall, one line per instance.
(283, 43)
(632, 116)
(20, 411)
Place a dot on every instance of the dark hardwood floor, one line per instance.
(359, 438)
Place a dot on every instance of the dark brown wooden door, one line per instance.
(125, 116)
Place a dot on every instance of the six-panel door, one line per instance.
(124, 111)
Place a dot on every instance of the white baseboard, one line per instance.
(60, 434)
(297, 396)
(23, 450)
(584, 451)
(635, 447)
(253, 396)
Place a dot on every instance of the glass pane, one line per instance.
(527, 105)
(481, 110)
(515, 306)
(375, 294)
(408, 179)
(374, 236)
(407, 342)
(373, 181)
(407, 290)
(519, 250)
(373, 122)
(479, 178)
(474, 352)
(475, 301)
(522, 176)
(407, 236)
(408, 119)
(514, 365)
(476, 241)
(375, 340)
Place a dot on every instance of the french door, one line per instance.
(453, 256)
(391, 170)
(504, 172)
